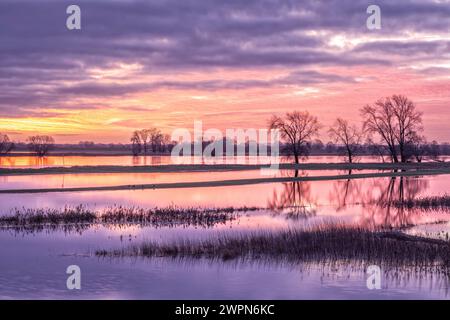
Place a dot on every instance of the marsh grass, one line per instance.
(68, 215)
(432, 203)
(337, 243)
(80, 217)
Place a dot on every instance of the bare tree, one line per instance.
(295, 200)
(144, 136)
(409, 123)
(5, 144)
(348, 135)
(136, 145)
(434, 151)
(297, 130)
(416, 148)
(156, 139)
(396, 121)
(166, 142)
(41, 145)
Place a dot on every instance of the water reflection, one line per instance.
(148, 160)
(370, 202)
(35, 162)
(128, 160)
(295, 200)
(345, 192)
(377, 198)
(379, 208)
(374, 198)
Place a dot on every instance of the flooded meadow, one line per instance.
(107, 234)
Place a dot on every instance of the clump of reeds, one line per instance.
(74, 217)
(333, 244)
(426, 203)
(170, 216)
(67, 215)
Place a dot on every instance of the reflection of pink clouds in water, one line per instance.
(378, 205)
(366, 202)
(33, 162)
(67, 161)
(114, 179)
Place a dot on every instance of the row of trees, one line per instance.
(40, 145)
(391, 126)
(149, 139)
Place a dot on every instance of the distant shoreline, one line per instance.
(94, 153)
(127, 153)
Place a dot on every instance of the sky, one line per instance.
(228, 63)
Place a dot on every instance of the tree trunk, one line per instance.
(349, 155)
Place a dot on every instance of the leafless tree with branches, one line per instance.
(136, 145)
(40, 145)
(156, 139)
(348, 135)
(6, 145)
(396, 121)
(144, 136)
(297, 129)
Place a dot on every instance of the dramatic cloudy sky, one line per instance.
(229, 63)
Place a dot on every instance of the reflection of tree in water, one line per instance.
(41, 161)
(146, 160)
(7, 161)
(381, 211)
(345, 192)
(377, 198)
(294, 201)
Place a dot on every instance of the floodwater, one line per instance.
(67, 161)
(33, 263)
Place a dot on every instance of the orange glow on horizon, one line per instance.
(112, 119)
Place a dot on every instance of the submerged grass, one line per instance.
(322, 245)
(430, 203)
(80, 217)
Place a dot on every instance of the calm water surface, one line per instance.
(32, 265)
(67, 161)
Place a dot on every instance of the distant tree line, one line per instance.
(40, 145)
(145, 140)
